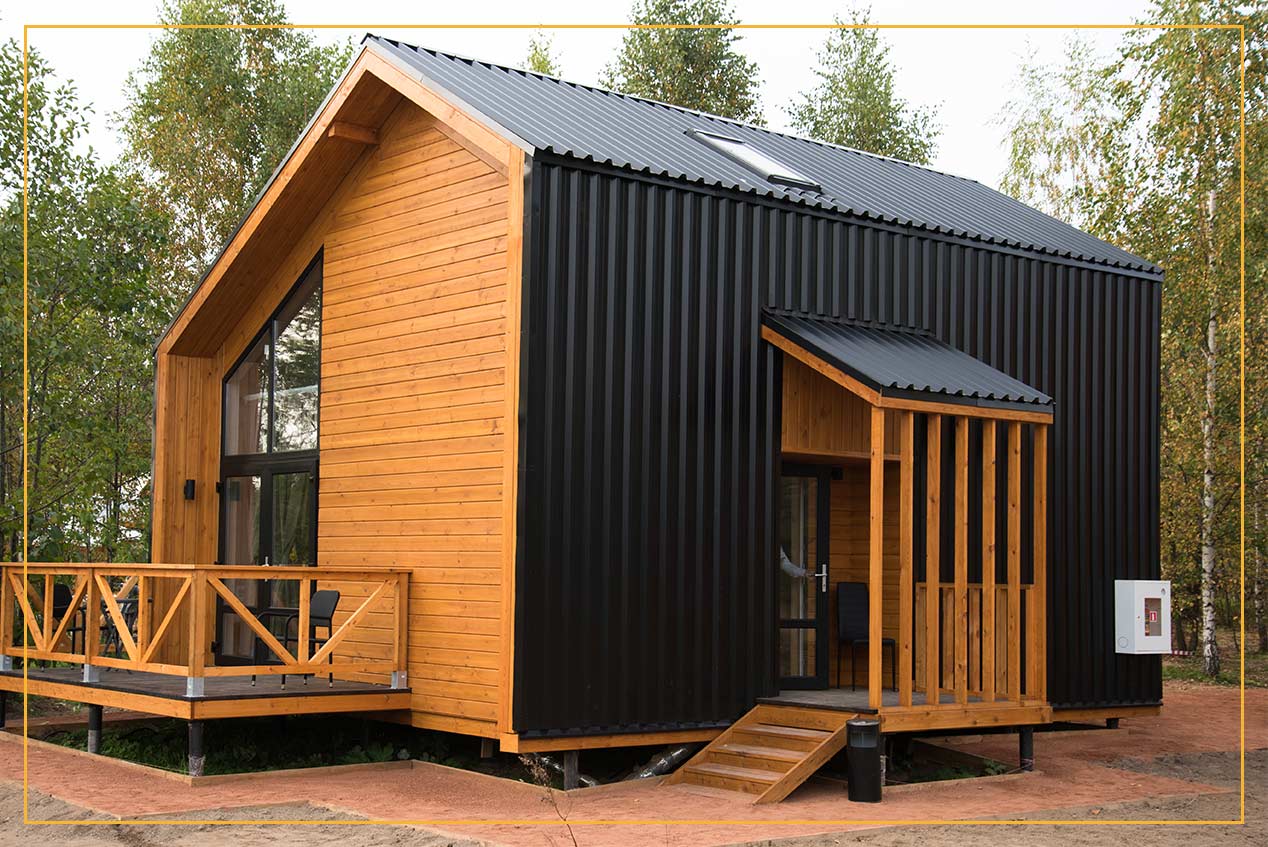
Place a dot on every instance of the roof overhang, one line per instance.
(899, 369)
(340, 134)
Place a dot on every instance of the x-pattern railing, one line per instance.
(183, 597)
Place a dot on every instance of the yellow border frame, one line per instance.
(1241, 820)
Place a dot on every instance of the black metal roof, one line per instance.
(645, 136)
(900, 362)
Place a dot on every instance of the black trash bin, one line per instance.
(863, 760)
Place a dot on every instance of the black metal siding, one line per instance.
(649, 436)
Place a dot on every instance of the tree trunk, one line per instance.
(1257, 575)
(1210, 648)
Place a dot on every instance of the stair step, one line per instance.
(778, 754)
(784, 731)
(733, 777)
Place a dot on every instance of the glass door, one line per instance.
(269, 519)
(802, 577)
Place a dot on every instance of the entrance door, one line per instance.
(802, 576)
(269, 517)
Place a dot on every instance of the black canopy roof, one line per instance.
(905, 363)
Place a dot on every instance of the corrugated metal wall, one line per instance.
(650, 419)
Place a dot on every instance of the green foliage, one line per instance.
(695, 68)
(854, 103)
(93, 312)
(541, 55)
(212, 112)
(1141, 148)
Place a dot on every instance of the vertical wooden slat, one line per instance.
(975, 640)
(1039, 647)
(960, 632)
(48, 612)
(196, 648)
(988, 560)
(906, 485)
(1014, 561)
(401, 651)
(143, 623)
(6, 609)
(876, 551)
(92, 619)
(303, 644)
(933, 474)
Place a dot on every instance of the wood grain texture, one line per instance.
(821, 419)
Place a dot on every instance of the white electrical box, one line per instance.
(1142, 616)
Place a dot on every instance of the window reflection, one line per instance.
(284, 363)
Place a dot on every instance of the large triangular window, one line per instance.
(271, 396)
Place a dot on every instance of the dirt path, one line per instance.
(1210, 768)
(43, 807)
(1172, 766)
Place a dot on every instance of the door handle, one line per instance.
(822, 576)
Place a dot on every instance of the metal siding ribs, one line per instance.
(677, 515)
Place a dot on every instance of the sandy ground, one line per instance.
(1167, 767)
(43, 807)
(1210, 768)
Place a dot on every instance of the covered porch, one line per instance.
(936, 466)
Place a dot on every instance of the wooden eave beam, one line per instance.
(353, 132)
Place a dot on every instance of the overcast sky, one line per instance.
(967, 74)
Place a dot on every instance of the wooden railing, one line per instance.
(970, 643)
(1000, 656)
(172, 627)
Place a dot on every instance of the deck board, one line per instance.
(226, 696)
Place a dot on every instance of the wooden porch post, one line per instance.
(875, 582)
(906, 599)
(988, 561)
(961, 560)
(1039, 624)
(1014, 561)
(933, 577)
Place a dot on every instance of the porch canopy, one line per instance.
(896, 364)
(958, 648)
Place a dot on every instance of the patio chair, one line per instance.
(852, 620)
(321, 613)
(61, 603)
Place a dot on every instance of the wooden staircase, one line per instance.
(768, 752)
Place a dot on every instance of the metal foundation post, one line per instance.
(196, 754)
(1026, 748)
(94, 729)
(1111, 723)
(486, 748)
(4, 708)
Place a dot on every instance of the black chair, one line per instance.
(111, 642)
(321, 613)
(61, 603)
(852, 619)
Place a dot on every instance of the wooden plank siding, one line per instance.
(414, 407)
(417, 346)
(821, 420)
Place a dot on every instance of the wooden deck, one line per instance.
(223, 697)
(948, 713)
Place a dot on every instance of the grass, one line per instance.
(249, 745)
(1189, 668)
(261, 744)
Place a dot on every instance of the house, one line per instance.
(607, 418)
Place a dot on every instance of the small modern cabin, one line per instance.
(614, 423)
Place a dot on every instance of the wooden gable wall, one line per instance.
(421, 240)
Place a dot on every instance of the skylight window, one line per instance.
(755, 160)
